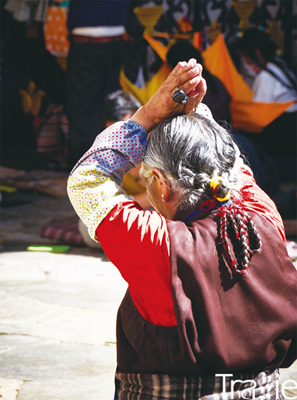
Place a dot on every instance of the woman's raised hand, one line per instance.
(185, 76)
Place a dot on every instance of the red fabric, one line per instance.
(68, 233)
(254, 199)
(137, 243)
(139, 248)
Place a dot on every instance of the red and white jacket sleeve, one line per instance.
(135, 241)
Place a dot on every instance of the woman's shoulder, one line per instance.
(265, 76)
(276, 71)
(254, 199)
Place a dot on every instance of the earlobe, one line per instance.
(166, 193)
(161, 184)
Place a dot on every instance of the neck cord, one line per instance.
(206, 206)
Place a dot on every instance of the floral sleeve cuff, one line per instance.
(94, 185)
(93, 195)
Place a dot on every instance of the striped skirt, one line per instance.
(263, 386)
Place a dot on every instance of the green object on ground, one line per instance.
(49, 249)
(8, 189)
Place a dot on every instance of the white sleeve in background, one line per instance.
(268, 89)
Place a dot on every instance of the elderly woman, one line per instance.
(211, 306)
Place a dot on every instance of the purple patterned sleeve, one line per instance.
(117, 149)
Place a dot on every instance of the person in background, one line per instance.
(97, 47)
(119, 106)
(211, 288)
(273, 82)
(217, 97)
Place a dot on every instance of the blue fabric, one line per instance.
(83, 13)
(117, 149)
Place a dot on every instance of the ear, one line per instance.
(162, 184)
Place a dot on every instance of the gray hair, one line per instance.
(191, 150)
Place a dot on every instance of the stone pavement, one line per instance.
(57, 326)
(58, 311)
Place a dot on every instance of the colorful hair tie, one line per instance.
(214, 183)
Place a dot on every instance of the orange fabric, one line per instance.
(246, 114)
(197, 41)
(253, 116)
(159, 48)
(55, 31)
(218, 61)
(144, 94)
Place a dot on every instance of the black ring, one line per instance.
(179, 96)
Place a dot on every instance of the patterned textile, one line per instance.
(66, 233)
(264, 386)
(129, 140)
(55, 31)
(52, 131)
(94, 196)
(99, 193)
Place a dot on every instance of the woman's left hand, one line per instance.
(186, 76)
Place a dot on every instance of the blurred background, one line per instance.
(70, 68)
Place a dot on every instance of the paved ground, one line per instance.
(58, 311)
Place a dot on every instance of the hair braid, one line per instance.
(256, 237)
(245, 255)
(234, 225)
(224, 235)
(237, 225)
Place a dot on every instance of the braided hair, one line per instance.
(236, 222)
(193, 152)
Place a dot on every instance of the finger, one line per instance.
(199, 89)
(190, 85)
(187, 76)
(195, 97)
(192, 62)
(191, 106)
(180, 66)
(190, 70)
(183, 72)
